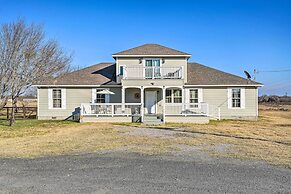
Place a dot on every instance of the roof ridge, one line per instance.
(139, 48)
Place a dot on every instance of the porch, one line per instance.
(138, 104)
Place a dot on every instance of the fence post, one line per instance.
(24, 112)
(7, 113)
(218, 113)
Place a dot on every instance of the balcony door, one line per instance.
(152, 68)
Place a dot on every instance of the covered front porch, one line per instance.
(143, 103)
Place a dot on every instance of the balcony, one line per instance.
(153, 73)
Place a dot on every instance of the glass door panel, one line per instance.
(152, 68)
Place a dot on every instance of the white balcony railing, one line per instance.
(110, 109)
(153, 73)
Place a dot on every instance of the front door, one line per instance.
(150, 102)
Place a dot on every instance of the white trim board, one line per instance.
(76, 86)
(256, 85)
(165, 56)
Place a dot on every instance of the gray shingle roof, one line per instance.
(202, 75)
(104, 74)
(151, 49)
(99, 74)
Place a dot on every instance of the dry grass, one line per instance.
(268, 139)
(71, 139)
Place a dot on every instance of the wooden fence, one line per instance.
(20, 112)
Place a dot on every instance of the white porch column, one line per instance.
(142, 102)
(164, 104)
(123, 99)
(183, 99)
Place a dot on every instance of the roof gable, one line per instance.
(202, 75)
(151, 50)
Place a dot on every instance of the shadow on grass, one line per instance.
(219, 134)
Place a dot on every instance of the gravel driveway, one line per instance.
(119, 172)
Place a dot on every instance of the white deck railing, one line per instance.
(128, 109)
(153, 73)
(214, 112)
(110, 109)
(187, 109)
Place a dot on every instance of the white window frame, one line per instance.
(144, 65)
(124, 70)
(94, 95)
(172, 96)
(63, 98)
(242, 98)
(200, 97)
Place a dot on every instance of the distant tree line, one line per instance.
(275, 99)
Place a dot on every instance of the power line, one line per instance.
(284, 70)
(269, 71)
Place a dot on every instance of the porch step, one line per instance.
(152, 120)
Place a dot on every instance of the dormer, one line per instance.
(151, 61)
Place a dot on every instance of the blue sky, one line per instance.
(229, 35)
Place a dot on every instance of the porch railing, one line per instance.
(214, 112)
(187, 109)
(128, 109)
(153, 73)
(110, 109)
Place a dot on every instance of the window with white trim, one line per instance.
(177, 96)
(193, 98)
(168, 96)
(236, 97)
(173, 96)
(100, 98)
(57, 98)
(121, 70)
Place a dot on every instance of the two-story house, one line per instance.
(148, 83)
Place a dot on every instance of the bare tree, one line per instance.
(27, 57)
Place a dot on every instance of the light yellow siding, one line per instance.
(218, 97)
(214, 96)
(74, 98)
(153, 83)
(168, 62)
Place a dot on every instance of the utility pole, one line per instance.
(255, 72)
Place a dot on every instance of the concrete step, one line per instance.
(152, 120)
(153, 123)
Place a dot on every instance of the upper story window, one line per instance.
(236, 97)
(152, 62)
(121, 70)
(152, 68)
(57, 98)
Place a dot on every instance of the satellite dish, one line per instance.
(248, 75)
